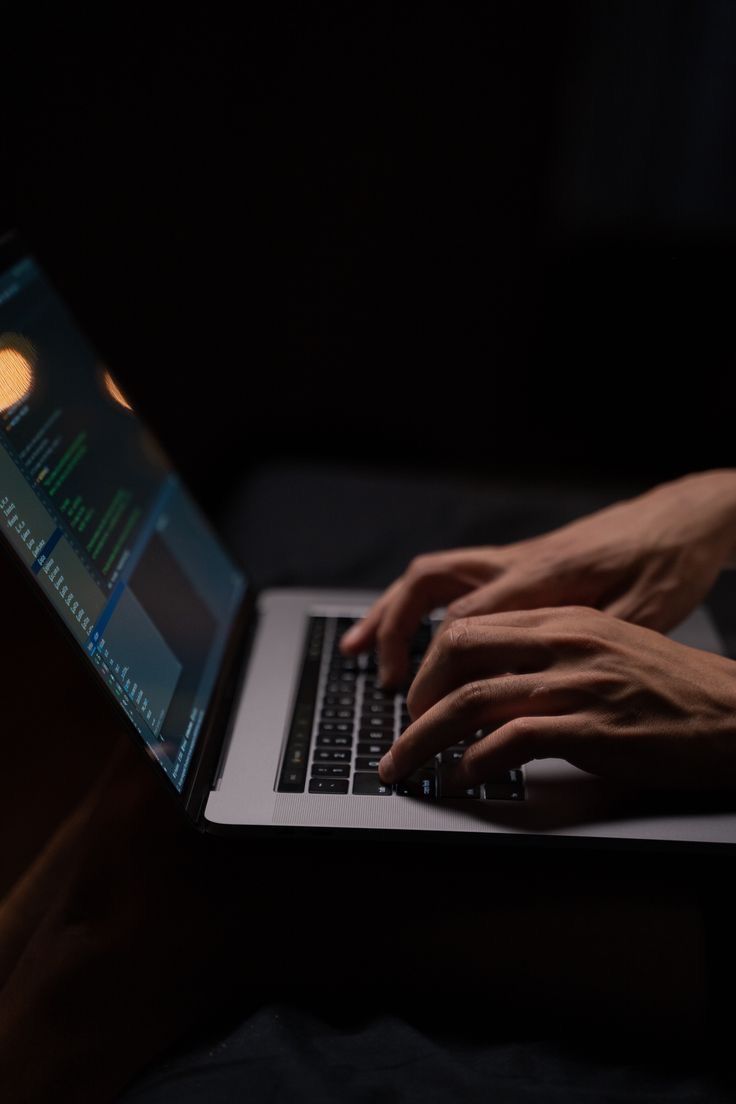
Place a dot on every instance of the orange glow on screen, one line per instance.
(114, 391)
(17, 358)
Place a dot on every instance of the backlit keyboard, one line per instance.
(344, 722)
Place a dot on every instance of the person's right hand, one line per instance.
(649, 560)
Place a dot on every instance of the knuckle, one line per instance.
(577, 640)
(581, 612)
(601, 684)
(461, 607)
(470, 765)
(524, 732)
(600, 678)
(524, 725)
(472, 696)
(419, 566)
(456, 638)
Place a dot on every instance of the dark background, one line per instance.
(495, 240)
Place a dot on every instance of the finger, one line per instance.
(552, 629)
(517, 742)
(360, 636)
(467, 651)
(420, 594)
(646, 596)
(512, 591)
(459, 569)
(473, 706)
(533, 618)
(624, 607)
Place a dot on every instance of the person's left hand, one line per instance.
(613, 698)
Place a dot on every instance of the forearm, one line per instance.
(709, 497)
(722, 483)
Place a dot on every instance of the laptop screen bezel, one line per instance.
(216, 721)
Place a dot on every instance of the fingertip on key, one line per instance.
(384, 676)
(387, 768)
(391, 674)
(350, 639)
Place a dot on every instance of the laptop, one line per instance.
(250, 716)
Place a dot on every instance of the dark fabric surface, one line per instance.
(286, 1052)
(309, 524)
(314, 526)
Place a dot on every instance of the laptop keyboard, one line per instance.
(344, 722)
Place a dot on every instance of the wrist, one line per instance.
(712, 494)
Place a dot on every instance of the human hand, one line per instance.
(616, 699)
(649, 560)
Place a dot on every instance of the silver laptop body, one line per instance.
(559, 801)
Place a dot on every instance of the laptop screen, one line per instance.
(98, 517)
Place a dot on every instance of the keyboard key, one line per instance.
(343, 667)
(372, 692)
(380, 724)
(450, 789)
(374, 747)
(332, 728)
(503, 792)
(338, 740)
(332, 755)
(379, 697)
(336, 673)
(382, 735)
(472, 791)
(330, 770)
(367, 762)
(505, 778)
(370, 784)
(378, 709)
(328, 785)
(418, 785)
(292, 781)
(332, 714)
(345, 700)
